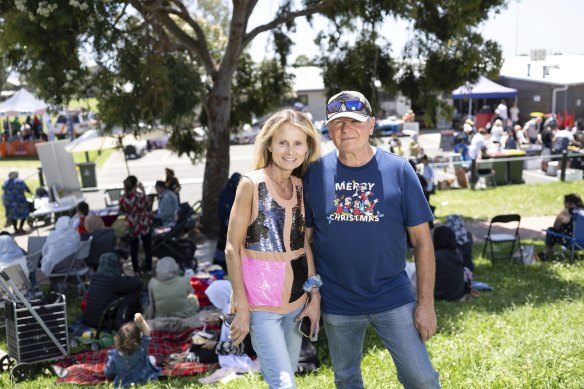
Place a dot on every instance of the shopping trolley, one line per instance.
(36, 330)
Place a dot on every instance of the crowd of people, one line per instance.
(283, 241)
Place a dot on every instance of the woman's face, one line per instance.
(288, 146)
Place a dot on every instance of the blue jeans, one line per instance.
(276, 340)
(396, 329)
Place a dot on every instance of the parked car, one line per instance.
(81, 123)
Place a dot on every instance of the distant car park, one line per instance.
(81, 123)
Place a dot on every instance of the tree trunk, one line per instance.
(217, 158)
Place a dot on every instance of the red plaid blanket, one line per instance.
(90, 365)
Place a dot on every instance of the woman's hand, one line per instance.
(239, 327)
(312, 310)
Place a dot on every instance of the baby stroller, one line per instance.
(36, 330)
(169, 243)
(39, 200)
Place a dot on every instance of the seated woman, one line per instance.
(464, 239)
(11, 254)
(104, 239)
(171, 294)
(108, 284)
(59, 247)
(562, 225)
(450, 278)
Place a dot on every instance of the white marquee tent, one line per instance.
(22, 102)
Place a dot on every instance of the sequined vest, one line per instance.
(273, 258)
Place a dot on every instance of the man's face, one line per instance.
(350, 135)
(159, 189)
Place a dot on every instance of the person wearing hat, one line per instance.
(167, 205)
(374, 199)
(171, 182)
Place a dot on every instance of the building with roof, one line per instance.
(310, 91)
(546, 83)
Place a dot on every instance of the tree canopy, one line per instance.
(157, 60)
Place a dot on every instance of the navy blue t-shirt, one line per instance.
(360, 215)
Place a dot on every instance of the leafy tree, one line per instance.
(46, 40)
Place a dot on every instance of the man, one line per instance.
(474, 152)
(532, 128)
(502, 112)
(360, 201)
(167, 205)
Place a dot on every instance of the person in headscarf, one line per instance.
(15, 203)
(59, 247)
(224, 210)
(11, 254)
(171, 294)
(108, 284)
(104, 239)
(450, 282)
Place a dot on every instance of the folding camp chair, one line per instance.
(499, 232)
(112, 196)
(485, 172)
(575, 242)
(35, 243)
(32, 263)
(77, 267)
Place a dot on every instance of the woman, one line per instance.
(11, 254)
(61, 243)
(104, 239)
(134, 204)
(450, 283)
(17, 208)
(563, 224)
(171, 182)
(108, 284)
(171, 294)
(270, 263)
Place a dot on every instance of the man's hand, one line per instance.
(425, 322)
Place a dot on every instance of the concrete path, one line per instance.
(531, 227)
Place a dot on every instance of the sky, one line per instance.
(522, 26)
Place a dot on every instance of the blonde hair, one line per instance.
(263, 156)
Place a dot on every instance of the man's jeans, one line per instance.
(396, 329)
(277, 341)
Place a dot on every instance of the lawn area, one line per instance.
(527, 333)
(33, 162)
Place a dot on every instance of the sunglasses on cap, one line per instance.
(350, 106)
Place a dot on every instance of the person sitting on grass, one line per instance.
(451, 283)
(129, 363)
(106, 285)
(171, 294)
(562, 225)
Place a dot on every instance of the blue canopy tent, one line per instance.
(482, 89)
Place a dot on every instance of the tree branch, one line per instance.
(286, 17)
(198, 46)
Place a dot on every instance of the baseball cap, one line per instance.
(348, 104)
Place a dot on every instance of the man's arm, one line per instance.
(424, 315)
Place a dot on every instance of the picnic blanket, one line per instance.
(90, 366)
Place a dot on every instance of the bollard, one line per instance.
(41, 178)
(564, 165)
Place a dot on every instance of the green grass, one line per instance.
(33, 162)
(527, 333)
